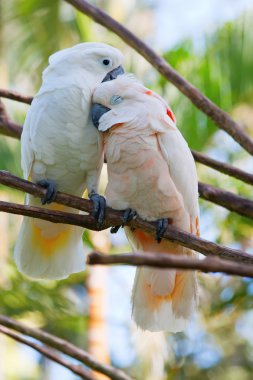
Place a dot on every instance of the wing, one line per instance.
(178, 156)
(183, 172)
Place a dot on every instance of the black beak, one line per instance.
(97, 110)
(113, 74)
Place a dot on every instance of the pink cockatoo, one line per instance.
(151, 171)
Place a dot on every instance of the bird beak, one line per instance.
(113, 74)
(97, 111)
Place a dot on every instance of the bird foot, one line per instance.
(129, 215)
(99, 205)
(161, 226)
(51, 188)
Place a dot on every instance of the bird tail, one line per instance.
(163, 299)
(46, 250)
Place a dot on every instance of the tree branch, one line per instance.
(220, 117)
(199, 157)
(112, 218)
(65, 347)
(77, 369)
(14, 95)
(222, 167)
(8, 127)
(85, 221)
(163, 260)
(230, 201)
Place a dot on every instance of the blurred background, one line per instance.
(210, 43)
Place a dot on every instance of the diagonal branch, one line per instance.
(199, 157)
(112, 218)
(163, 260)
(65, 347)
(220, 117)
(14, 95)
(85, 221)
(222, 167)
(49, 353)
(230, 201)
(8, 127)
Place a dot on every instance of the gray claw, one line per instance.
(51, 188)
(161, 226)
(129, 215)
(99, 205)
(114, 229)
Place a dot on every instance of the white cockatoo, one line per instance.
(151, 171)
(61, 150)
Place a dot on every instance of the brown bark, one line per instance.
(112, 218)
(222, 167)
(163, 260)
(64, 347)
(49, 353)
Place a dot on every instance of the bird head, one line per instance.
(87, 63)
(125, 101)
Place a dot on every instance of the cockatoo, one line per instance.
(61, 150)
(151, 171)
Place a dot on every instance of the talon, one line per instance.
(129, 215)
(161, 226)
(114, 229)
(99, 205)
(51, 188)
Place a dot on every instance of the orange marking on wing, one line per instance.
(197, 226)
(170, 114)
(143, 236)
(149, 92)
(49, 245)
(154, 301)
(191, 228)
(115, 126)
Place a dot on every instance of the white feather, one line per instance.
(169, 315)
(182, 168)
(161, 281)
(60, 143)
(32, 261)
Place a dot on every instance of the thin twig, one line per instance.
(49, 353)
(14, 95)
(220, 117)
(230, 201)
(85, 221)
(65, 347)
(112, 218)
(163, 260)
(7, 126)
(222, 167)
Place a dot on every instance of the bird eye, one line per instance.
(107, 62)
(116, 99)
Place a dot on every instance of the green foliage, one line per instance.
(57, 306)
(221, 67)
